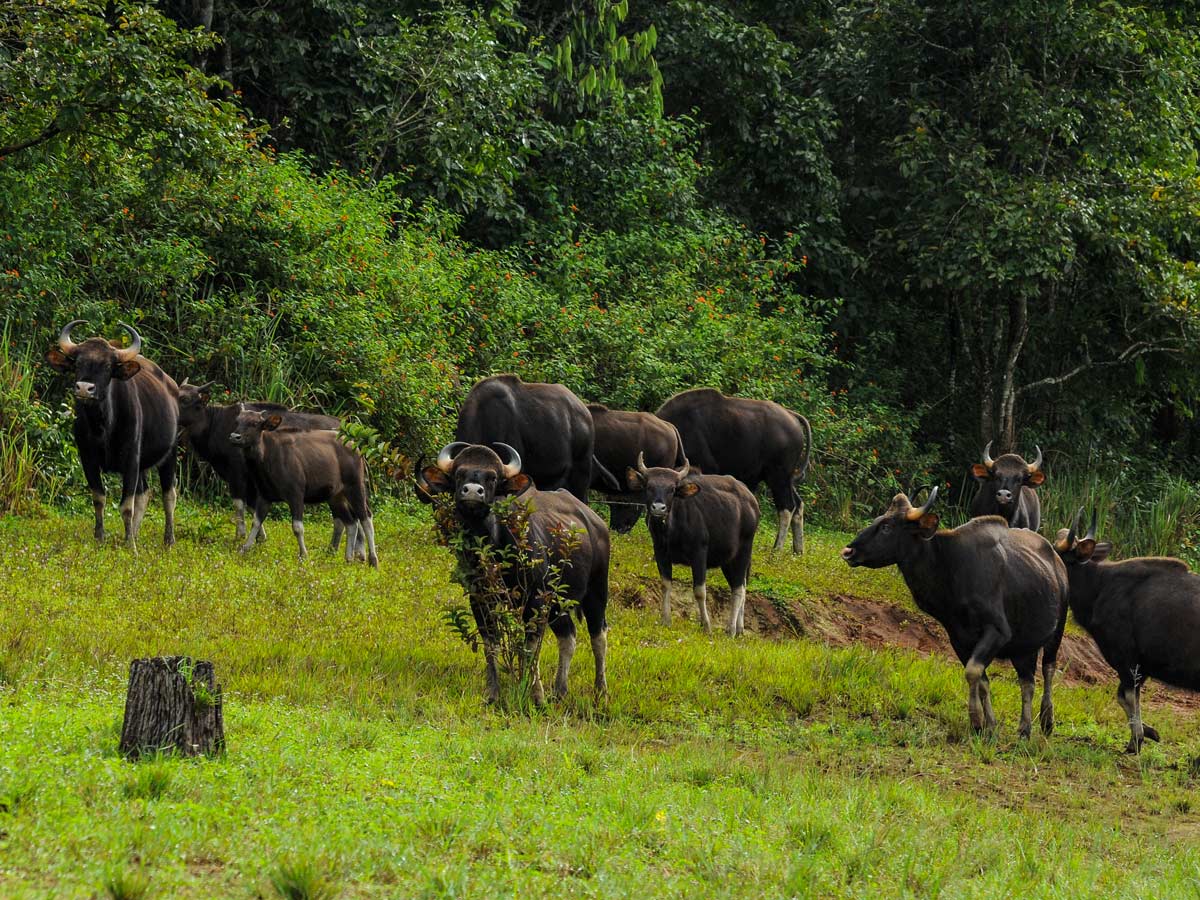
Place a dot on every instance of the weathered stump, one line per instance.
(173, 705)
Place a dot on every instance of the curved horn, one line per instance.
(513, 466)
(687, 467)
(65, 344)
(1037, 463)
(202, 388)
(446, 456)
(641, 464)
(914, 515)
(1091, 535)
(987, 456)
(1075, 526)
(135, 344)
(184, 383)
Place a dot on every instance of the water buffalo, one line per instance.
(620, 437)
(126, 421)
(547, 424)
(207, 428)
(701, 521)
(755, 441)
(1006, 489)
(298, 467)
(1144, 615)
(998, 591)
(477, 477)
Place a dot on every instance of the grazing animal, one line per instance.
(207, 428)
(1006, 489)
(126, 421)
(477, 477)
(752, 440)
(701, 521)
(1144, 615)
(620, 437)
(297, 467)
(545, 423)
(998, 591)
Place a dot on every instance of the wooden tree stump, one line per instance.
(173, 705)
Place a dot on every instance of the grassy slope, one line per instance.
(358, 745)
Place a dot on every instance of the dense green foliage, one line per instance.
(924, 228)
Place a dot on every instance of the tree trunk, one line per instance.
(173, 705)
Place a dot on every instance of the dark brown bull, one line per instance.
(207, 428)
(1144, 615)
(300, 467)
(754, 441)
(126, 421)
(699, 521)
(620, 437)
(999, 592)
(477, 477)
(546, 423)
(1006, 489)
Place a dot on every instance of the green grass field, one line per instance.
(362, 763)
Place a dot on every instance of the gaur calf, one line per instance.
(126, 421)
(562, 539)
(298, 467)
(999, 592)
(1007, 489)
(620, 436)
(1144, 615)
(207, 426)
(701, 521)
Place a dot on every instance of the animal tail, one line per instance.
(802, 472)
(607, 476)
(680, 455)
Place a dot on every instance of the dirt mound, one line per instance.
(842, 619)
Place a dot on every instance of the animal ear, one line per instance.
(518, 484)
(1103, 548)
(1085, 548)
(927, 525)
(59, 360)
(687, 489)
(634, 479)
(273, 421)
(980, 472)
(1036, 478)
(123, 371)
(433, 480)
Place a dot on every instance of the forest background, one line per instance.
(925, 226)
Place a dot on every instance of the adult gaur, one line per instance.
(998, 591)
(699, 521)
(477, 477)
(546, 423)
(620, 437)
(126, 421)
(755, 441)
(1006, 489)
(1143, 613)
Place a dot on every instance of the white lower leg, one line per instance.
(338, 527)
(737, 611)
(491, 690)
(298, 531)
(700, 592)
(599, 655)
(566, 650)
(367, 525)
(239, 517)
(255, 531)
(798, 529)
(974, 675)
(1026, 727)
(666, 601)
(128, 517)
(785, 519)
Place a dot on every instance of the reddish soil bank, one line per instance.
(841, 620)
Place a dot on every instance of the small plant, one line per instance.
(201, 695)
(149, 780)
(122, 882)
(302, 878)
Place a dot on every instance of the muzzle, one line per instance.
(472, 492)
(1004, 498)
(658, 510)
(235, 438)
(85, 390)
(848, 554)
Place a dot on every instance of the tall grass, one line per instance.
(24, 473)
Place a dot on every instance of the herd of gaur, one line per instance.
(998, 587)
